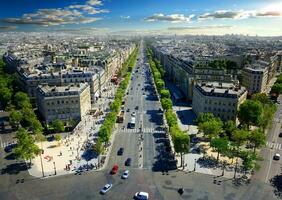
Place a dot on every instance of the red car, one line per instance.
(114, 169)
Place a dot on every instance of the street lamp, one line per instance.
(43, 175)
(55, 168)
(223, 168)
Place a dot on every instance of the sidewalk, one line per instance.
(74, 152)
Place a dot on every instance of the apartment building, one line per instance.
(221, 99)
(255, 78)
(63, 102)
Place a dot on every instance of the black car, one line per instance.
(136, 108)
(120, 151)
(128, 162)
(280, 134)
(9, 148)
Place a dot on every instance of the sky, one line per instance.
(210, 17)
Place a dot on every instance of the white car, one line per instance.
(125, 174)
(276, 156)
(106, 188)
(141, 196)
(133, 114)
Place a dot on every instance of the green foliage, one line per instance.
(26, 148)
(219, 64)
(211, 128)
(105, 130)
(250, 112)
(58, 125)
(257, 138)
(166, 103)
(204, 117)
(250, 160)
(21, 100)
(277, 88)
(220, 145)
(181, 142)
(240, 137)
(58, 137)
(15, 118)
(261, 97)
(165, 94)
(171, 118)
(229, 128)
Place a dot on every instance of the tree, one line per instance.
(211, 128)
(15, 118)
(220, 145)
(26, 148)
(267, 115)
(229, 128)
(171, 118)
(181, 143)
(250, 112)
(165, 93)
(250, 160)
(204, 117)
(277, 88)
(5, 94)
(239, 138)
(21, 100)
(99, 148)
(58, 138)
(166, 103)
(261, 97)
(160, 84)
(58, 125)
(257, 138)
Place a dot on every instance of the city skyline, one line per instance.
(260, 17)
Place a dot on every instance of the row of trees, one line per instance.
(277, 87)
(219, 64)
(258, 111)
(180, 139)
(8, 85)
(107, 127)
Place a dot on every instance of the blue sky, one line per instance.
(253, 17)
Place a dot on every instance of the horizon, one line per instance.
(167, 17)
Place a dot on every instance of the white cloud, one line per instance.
(73, 14)
(169, 18)
(94, 2)
(240, 14)
(125, 17)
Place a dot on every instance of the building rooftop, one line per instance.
(228, 90)
(73, 89)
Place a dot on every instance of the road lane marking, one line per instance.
(269, 167)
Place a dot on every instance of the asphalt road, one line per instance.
(269, 167)
(144, 144)
(146, 172)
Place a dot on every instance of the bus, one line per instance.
(132, 122)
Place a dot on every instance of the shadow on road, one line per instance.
(11, 156)
(276, 183)
(14, 168)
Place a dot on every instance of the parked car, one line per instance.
(141, 196)
(106, 188)
(128, 162)
(136, 107)
(114, 169)
(280, 134)
(120, 151)
(276, 156)
(125, 174)
(9, 148)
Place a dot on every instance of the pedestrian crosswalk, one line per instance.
(3, 144)
(273, 145)
(144, 130)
